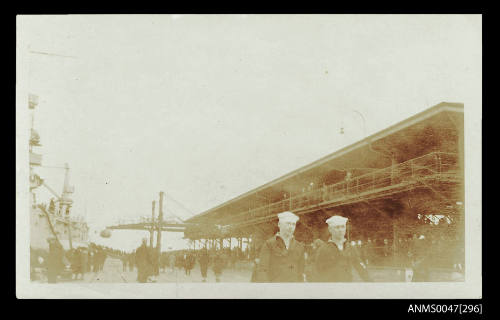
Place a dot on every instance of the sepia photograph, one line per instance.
(248, 156)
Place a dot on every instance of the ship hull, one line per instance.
(45, 225)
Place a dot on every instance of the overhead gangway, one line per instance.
(171, 227)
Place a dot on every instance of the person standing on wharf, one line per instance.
(282, 257)
(336, 258)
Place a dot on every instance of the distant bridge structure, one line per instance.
(149, 226)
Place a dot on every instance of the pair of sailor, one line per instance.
(282, 256)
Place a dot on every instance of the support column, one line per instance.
(394, 242)
(461, 163)
(394, 163)
(349, 227)
(152, 230)
(159, 225)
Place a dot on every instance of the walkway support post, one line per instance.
(152, 230)
(159, 225)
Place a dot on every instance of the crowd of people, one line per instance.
(417, 252)
(59, 264)
(440, 251)
(268, 259)
(87, 259)
(74, 264)
(149, 265)
(279, 258)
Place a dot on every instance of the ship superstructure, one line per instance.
(53, 219)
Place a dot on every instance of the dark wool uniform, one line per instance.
(144, 263)
(279, 264)
(334, 265)
(54, 261)
(203, 260)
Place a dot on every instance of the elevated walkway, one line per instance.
(171, 227)
(430, 170)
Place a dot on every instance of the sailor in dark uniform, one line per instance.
(282, 257)
(336, 258)
(55, 260)
(144, 262)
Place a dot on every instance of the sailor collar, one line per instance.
(343, 243)
(278, 235)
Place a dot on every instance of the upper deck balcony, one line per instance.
(432, 168)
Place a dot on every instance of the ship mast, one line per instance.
(65, 202)
(34, 159)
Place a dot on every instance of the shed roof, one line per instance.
(434, 129)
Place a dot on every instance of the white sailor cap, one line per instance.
(336, 221)
(288, 216)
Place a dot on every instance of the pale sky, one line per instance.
(207, 107)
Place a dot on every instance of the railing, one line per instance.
(145, 220)
(57, 216)
(438, 165)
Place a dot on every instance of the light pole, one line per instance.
(364, 121)
(362, 118)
